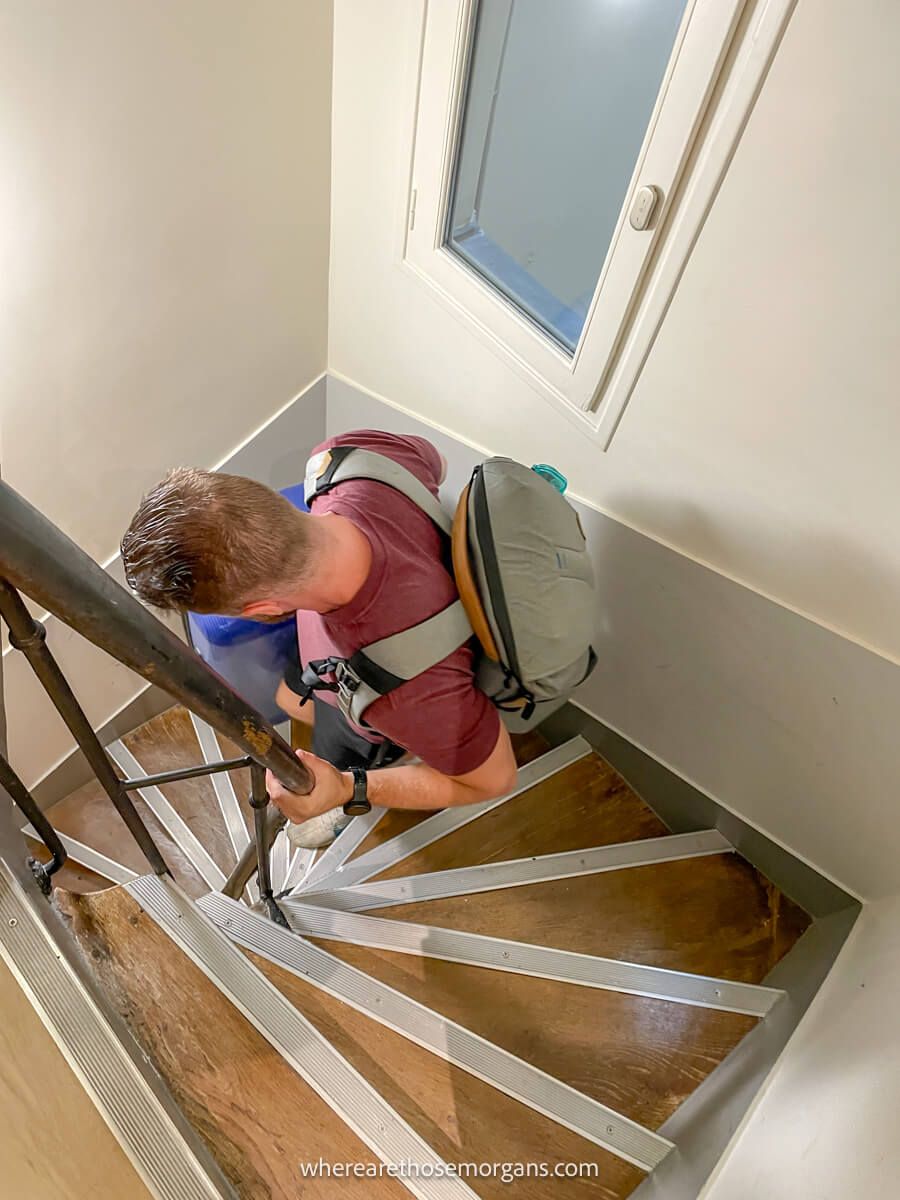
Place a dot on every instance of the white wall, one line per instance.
(825, 1125)
(761, 438)
(39, 742)
(164, 238)
(164, 211)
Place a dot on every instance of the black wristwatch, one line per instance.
(359, 802)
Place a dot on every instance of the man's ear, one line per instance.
(264, 608)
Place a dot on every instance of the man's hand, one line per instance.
(332, 789)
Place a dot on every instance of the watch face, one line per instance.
(355, 808)
(359, 803)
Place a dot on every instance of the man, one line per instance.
(363, 564)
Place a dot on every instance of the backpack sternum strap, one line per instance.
(353, 694)
(378, 669)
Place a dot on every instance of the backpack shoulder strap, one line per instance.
(324, 471)
(394, 660)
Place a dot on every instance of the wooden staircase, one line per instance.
(541, 983)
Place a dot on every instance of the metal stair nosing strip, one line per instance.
(298, 1041)
(279, 861)
(545, 962)
(463, 881)
(455, 1043)
(114, 1079)
(300, 866)
(433, 828)
(226, 797)
(172, 821)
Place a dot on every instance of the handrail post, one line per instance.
(30, 637)
(274, 822)
(259, 801)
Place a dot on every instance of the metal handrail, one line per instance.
(37, 558)
(29, 636)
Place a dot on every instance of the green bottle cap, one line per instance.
(553, 476)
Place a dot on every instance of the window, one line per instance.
(551, 141)
(558, 101)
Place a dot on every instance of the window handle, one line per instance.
(643, 206)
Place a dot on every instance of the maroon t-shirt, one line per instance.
(439, 715)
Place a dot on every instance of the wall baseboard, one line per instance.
(706, 1122)
(685, 809)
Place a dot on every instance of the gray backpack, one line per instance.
(525, 582)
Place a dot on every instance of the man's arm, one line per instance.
(289, 702)
(417, 786)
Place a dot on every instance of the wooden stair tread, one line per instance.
(392, 824)
(164, 743)
(259, 1118)
(180, 729)
(461, 1117)
(585, 804)
(88, 815)
(641, 1057)
(168, 742)
(713, 916)
(528, 746)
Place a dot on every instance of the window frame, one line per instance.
(722, 52)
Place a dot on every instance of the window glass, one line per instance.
(558, 100)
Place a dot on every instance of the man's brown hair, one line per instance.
(213, 543)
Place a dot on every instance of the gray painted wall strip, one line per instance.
(781, 720)
(685, 809)
(703, 1126)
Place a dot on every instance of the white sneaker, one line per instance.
(318, 831)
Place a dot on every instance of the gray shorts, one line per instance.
(335, 740)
